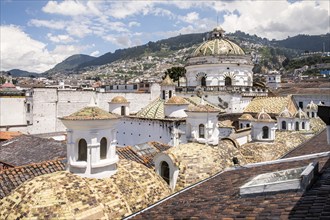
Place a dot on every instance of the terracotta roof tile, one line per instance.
(11, 178)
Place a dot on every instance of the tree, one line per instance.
(175, 73)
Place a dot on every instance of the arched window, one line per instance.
(82, 150)
(203, 81)
(123, 110)
(265, 132)
(297, 126)
(227, 81)
(164, 94)
(303, 125)
(165, 171)
(241, 125)
(247, 125)
(103, 148)
(169, 94)
(201, 130)
(283, 125)
(313, 115)
(308, 114)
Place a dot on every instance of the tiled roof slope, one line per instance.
(155, 110)
(273, 105)
(130, 154)
(63, 195)
(11, 178)
(27, 149)
(90, 113)
(317, 144)
(219, 198)
(197, 161)
(284, 142)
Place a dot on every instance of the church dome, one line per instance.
(218, 45)
(119, 99)
(177, 100)
(285, 113)
(63, 195)
(300, 114)
(312, 106)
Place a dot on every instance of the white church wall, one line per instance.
(137, 131)
(303, 100)
(12, 113)
(49, 104)
(44, 111)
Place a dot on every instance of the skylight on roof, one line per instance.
(290, 179)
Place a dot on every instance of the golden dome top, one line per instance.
(218, 45)
(177, 100)
(119, 99)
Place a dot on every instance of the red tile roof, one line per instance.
(13, 177)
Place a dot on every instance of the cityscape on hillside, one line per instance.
(212, 125)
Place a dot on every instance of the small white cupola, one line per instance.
(91, 139)
(263, 127)
(285, 120)
(119, 105)
(311, 110)
(167, 88)
(175, 107)
(202, 123)
(245, 121)
(301, 121)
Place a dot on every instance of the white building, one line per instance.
(91, 142)
(273, 79)
(263, 127)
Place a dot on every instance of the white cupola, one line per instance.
(285, 120)
(175, 107)
(119, 105)
(167, 88)
(91, 142)
(263, 127)
(301, 121)
(202, 124)
(311, 110)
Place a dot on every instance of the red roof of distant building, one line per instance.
(7, 85)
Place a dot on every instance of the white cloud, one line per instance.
(58, 25)
(120, 40)
(190, 17)
(95, 53)
(70, 8)
(122, 10)
(275, 19)
(133, 24)
(29, 54)
(61, 38)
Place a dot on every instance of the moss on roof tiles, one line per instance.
(90, 113)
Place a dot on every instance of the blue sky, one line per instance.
(36, 35)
